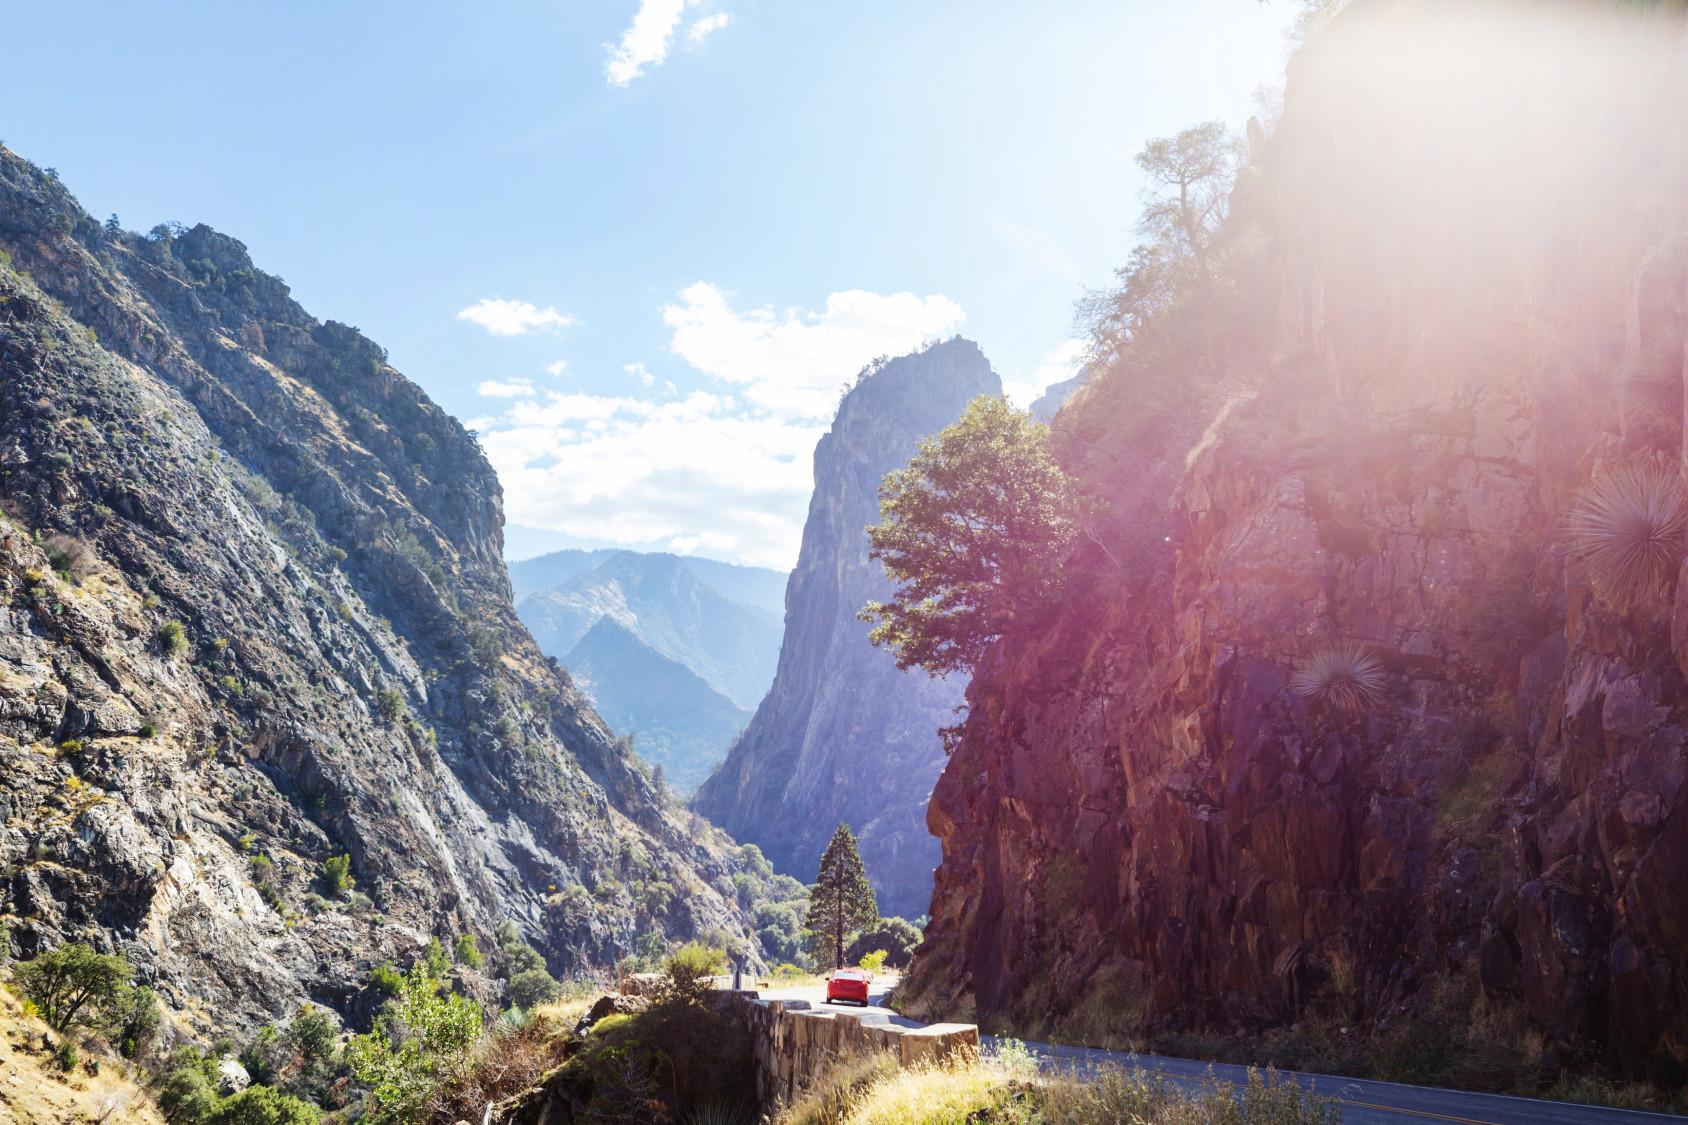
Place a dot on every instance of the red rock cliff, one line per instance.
(1473, 219)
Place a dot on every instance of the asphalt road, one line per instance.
(1364, 1102)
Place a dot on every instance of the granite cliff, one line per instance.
(253, 615)
(1455, 314)
(843, 735)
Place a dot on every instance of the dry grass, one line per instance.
(509, 1059)
(43, 1092)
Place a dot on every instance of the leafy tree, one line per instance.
(894, 937)
(113, 225)
(841, 900)
(467, 952)
(134, 1020)
(513, 955)
(430, 1030)
(189, 1094)
(974, 531)
(530, 987)
(434, 961)
(263, 1105)
(72, 984)
(313, 1034)
(1190, 177)
(690, 970)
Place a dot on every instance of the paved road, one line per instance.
(1364, 1102)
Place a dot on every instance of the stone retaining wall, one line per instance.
(793, 1043)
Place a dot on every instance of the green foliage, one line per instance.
(386, 980)
(263, 1105)
(173, 638)
(72, 985)
(467, 952)
(390, 703)
(65, 1054)
(189, 1093)
(148, 731)
(337, 875)
(841, 900)
(134, 1018)
(530, 987)
(431, 1030)
(894, 937)
(259, 1056)
(689, 970)
(513, 956)
(974, 532)
(434, 961)
(873, 962)
(313, 1034)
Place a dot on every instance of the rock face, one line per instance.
(675, 719)
(253, 615)
(1481, 305)
(842, 735)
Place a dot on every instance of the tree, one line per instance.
(974, 531)
(431, 1030)
(467, 952)
(513, 956)
(113, 225)
(894, 937)
(72, 984)
(1190, 177)
(530, 987)
(841, 900)
(337, 874)
(263, 1105)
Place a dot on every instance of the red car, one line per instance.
(849, 984)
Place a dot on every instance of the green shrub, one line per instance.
(531, 987)
(189, 1093)
(689, 970)
(135, 1019)
(431, 1031)
(386, 980)
(873, 962)
(173, 638)
(313, 1033)
(263, 1105)
(337, 875)
(148, 730)
(65, 1054)
(390, 703)
(513, 956)
(467, 952)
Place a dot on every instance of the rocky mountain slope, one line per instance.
(675, 719)
(660, 598)
(843, 735)
(1166, 810)
(253, 615)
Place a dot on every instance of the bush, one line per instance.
(336, 875)
(431, 1032)
(173, 638)
(72, 985)
(189, 1094)
(513, 956)
(148, 731)
(434, 961)
(390, 703)
(896, 937)
(386, 980)
(313, 1033)
(263, 1105)
(65, 1054)
(467, 952)
(530, 987)
(134, 1020)
(874, 962)
(689, 971)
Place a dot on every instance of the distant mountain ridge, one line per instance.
(718, 623)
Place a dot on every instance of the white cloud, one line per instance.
(794, 364)
(640, 372)
(512, 388)
(513, 318)
(647, 40)
(690, 474)
(558, 368)
(1058, 363)
(702, 29)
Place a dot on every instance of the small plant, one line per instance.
(467, 952)
(337, 875)
(173, 638)
(434, 961)
(1627, 529)
(148, 731)
(1344, 675)
(65, 1054)
(390, 703)
(71, 746)
(875, 961)
(386, 980)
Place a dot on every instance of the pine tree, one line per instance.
(841, 901)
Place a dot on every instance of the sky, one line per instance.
(639, 246)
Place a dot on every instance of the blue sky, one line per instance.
(640, 244)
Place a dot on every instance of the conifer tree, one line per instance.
(841, 901)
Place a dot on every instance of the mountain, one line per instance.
(546, 572)
(253, 616)
(843, 735)
(758, 587)
(1361, 727)
(661, 600)
(677, 721)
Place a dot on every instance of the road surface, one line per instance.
(1363, 1101)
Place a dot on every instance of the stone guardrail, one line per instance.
(793, 1043)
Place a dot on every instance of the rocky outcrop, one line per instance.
(1481, 302)
(253, 615)
(843, 735)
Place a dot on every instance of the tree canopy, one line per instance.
(72, 984)
(974, 531)
(841, 900)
